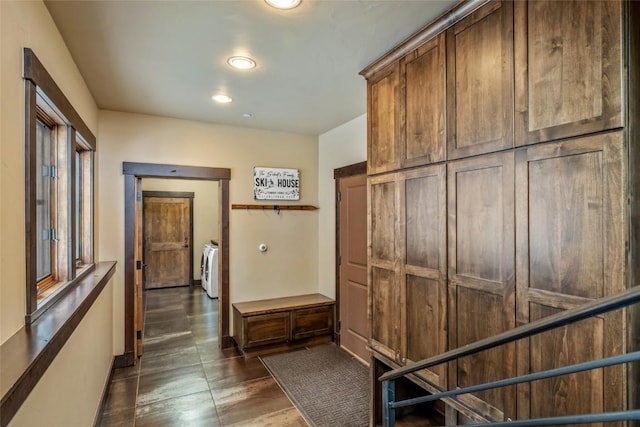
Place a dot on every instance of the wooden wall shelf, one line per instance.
(277, 208)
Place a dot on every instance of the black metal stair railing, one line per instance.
(591, 309)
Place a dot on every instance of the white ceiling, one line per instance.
(168, 58)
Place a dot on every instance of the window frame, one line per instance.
(42, 94)
(46, 282)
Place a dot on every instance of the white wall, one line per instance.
(342, 146)
(289, 267)
(205, 210)
(69, 392)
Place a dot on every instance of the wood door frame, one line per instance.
(172, 195)
(131, 172)
(343, 172)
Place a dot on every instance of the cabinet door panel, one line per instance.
(426, 323)
(424, 140)
(383, 266)
(480, 82)
(424, 218)
(566, 213)
(424, 272)
(571, 250)
(385, 311)
(384, 120)
(382, 216)
(570, 394)
(568, 68)
(489, 365)
(481, 269)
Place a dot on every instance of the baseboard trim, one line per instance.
(106, 389)
(129, 359)
(119, 361)
(227, 342)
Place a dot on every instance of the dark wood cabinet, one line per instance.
(384, 275)
(383, 115)
(424, 266)
(423, 69)
(516, 201)
(408, 277)
(480, 82)
(568, 67)
(571, 250)
(481, 275)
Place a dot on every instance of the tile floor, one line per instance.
(184, 379)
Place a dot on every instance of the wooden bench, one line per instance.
(271, 325)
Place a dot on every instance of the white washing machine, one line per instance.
(204, 265)
(210, 279)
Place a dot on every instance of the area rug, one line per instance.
(327, 385)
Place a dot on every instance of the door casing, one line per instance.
(131, 172)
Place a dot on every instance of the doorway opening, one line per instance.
(133, 173)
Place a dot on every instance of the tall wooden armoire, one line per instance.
(504, 180)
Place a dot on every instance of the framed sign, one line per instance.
(276, 184)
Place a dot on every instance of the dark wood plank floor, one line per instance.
(184, 379)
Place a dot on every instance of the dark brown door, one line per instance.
(354, 330)
(167, 241)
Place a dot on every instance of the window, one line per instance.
(83, 205)
(59, 185)
(45, 199)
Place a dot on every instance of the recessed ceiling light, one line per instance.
(241, 62)
(223, 99)
(283, 4)
(246, 115)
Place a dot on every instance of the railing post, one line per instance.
(388, 397)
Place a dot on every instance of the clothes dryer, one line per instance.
(211, 272)
(204, 265)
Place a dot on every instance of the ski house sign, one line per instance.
(276, 184)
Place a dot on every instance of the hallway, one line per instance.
(184, 379)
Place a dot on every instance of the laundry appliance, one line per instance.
(209, 270)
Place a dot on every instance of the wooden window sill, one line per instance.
(48, 295)
(25, 357)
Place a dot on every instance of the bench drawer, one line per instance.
(311, 322)
(266, 329)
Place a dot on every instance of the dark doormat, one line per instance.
(326, 384)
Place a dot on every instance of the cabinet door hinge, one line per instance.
(139, 196)
(138, 265)
(339, 259)
(339, 325)
(339, 196)
(139, 335)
